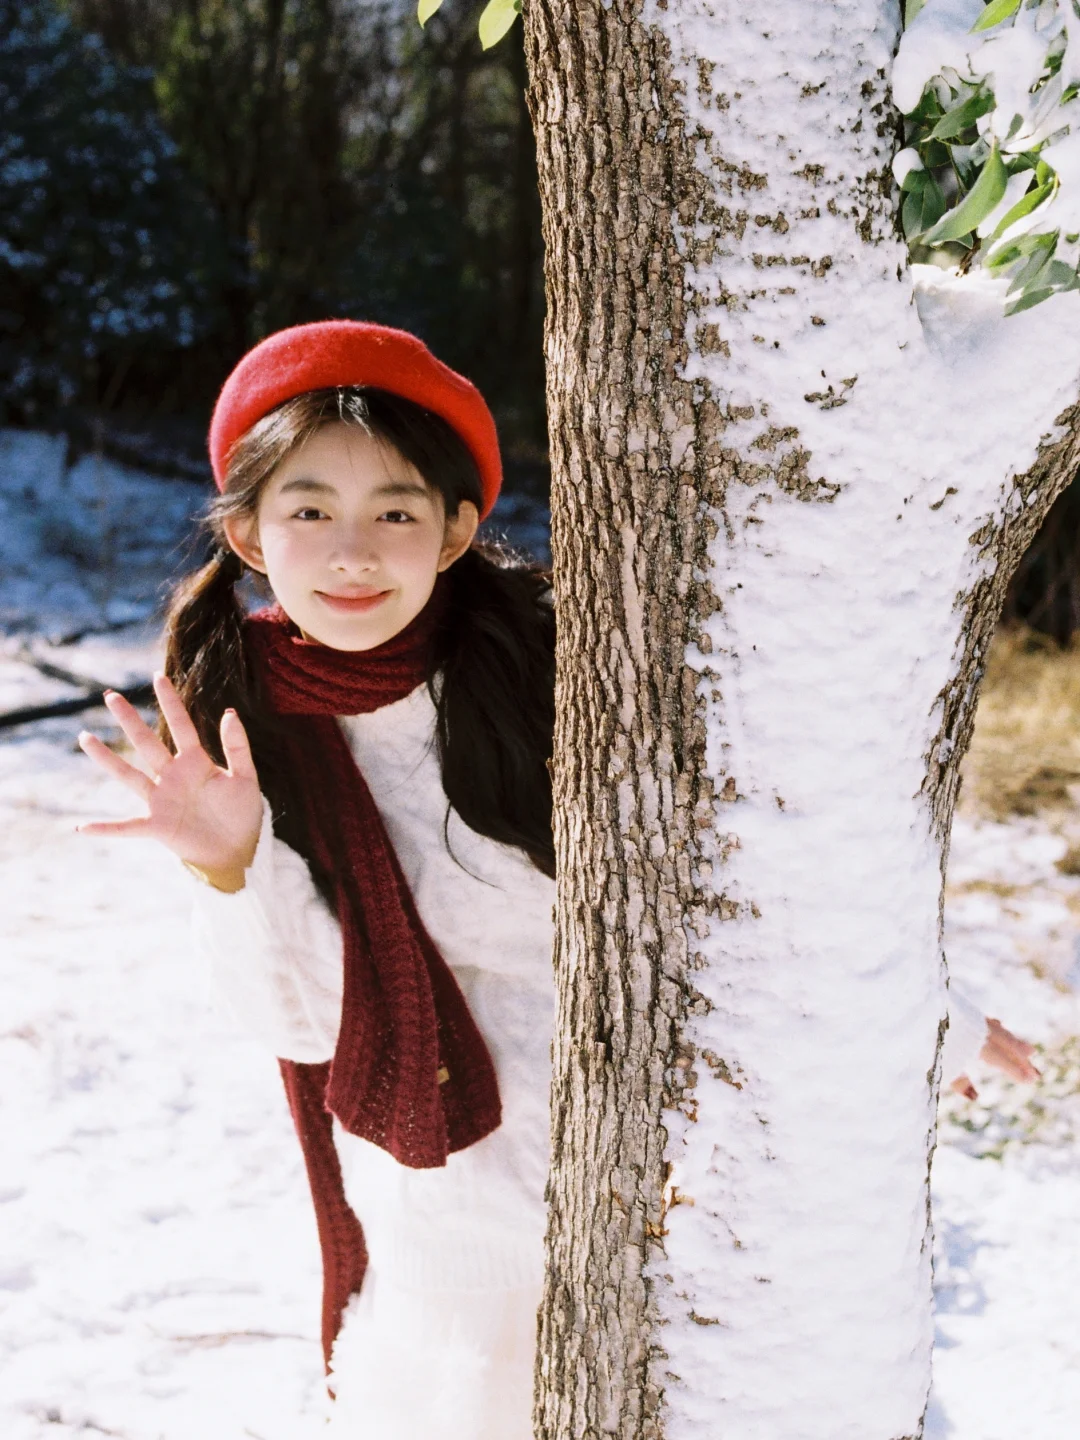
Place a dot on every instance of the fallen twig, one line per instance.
(222, 1337)
(55, 1417)
(141, 694)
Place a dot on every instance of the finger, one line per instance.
(177, 718)
(998, 1035)
(1005, 1043)
(1019, 1049)
(1021, 1069)
(1007, 1056)
(237, 748)
(118, 768)
(150, 748)
(1011, 1044)
(115, 827)
(963, 1086)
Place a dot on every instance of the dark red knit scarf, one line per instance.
(411, 1072)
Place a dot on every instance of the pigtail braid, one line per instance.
(205, 658)
(204, 647)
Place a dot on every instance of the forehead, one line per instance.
(346, 459)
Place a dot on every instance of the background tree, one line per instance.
(104, 244)
(1045, 590)
(786, 502)
(336, 161)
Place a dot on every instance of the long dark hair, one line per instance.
(491, 673)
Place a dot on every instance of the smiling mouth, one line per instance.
(353, 604)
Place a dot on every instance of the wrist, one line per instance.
(225, 868)
(229, 880)
(231, 876)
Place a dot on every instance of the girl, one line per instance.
(359, 776)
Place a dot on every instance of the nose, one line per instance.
(354, 551)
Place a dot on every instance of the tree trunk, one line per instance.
(786, 503)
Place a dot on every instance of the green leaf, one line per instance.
(1036, 266)
(426, 8)
(1027, 300)
(915, 181)
(967, 169)
(496, 19)
(933, 203)
(1016, 249)
(911, 215)
(1023, 206)
(911, 9)
(962, 117)
(929, 108)
(1059, 285)
(934, 154)
(923, 206)
(995, 13)
(975, 206)
(1061, 276)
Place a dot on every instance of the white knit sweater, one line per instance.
(276, 952)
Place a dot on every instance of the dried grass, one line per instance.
(1025, 751)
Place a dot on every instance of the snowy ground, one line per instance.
(158, 1268)
(158, 1265)
(1007, 1170)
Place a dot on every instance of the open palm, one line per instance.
(207, 815)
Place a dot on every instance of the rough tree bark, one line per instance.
(786, 504)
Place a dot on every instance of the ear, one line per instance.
(242, 533)
(459, 533)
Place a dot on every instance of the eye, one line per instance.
(310, 512)
(396, 517)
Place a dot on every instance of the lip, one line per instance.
(353, 604)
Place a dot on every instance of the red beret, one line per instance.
(329, 353)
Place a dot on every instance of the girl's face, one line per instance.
(350, 538)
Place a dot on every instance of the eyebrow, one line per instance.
(402, 487)
(302, 482)
(320, 487)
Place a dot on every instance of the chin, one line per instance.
(353, 634)
(345, 639)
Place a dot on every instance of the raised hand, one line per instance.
(207, 815)
(1006, 1052)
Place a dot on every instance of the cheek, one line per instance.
(291, 550)
(413, 548)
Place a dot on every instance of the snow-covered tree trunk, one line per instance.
(786, 501)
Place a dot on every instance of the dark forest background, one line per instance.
(179, 178)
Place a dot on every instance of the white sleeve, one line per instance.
(964, 1038)
(274, 952)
